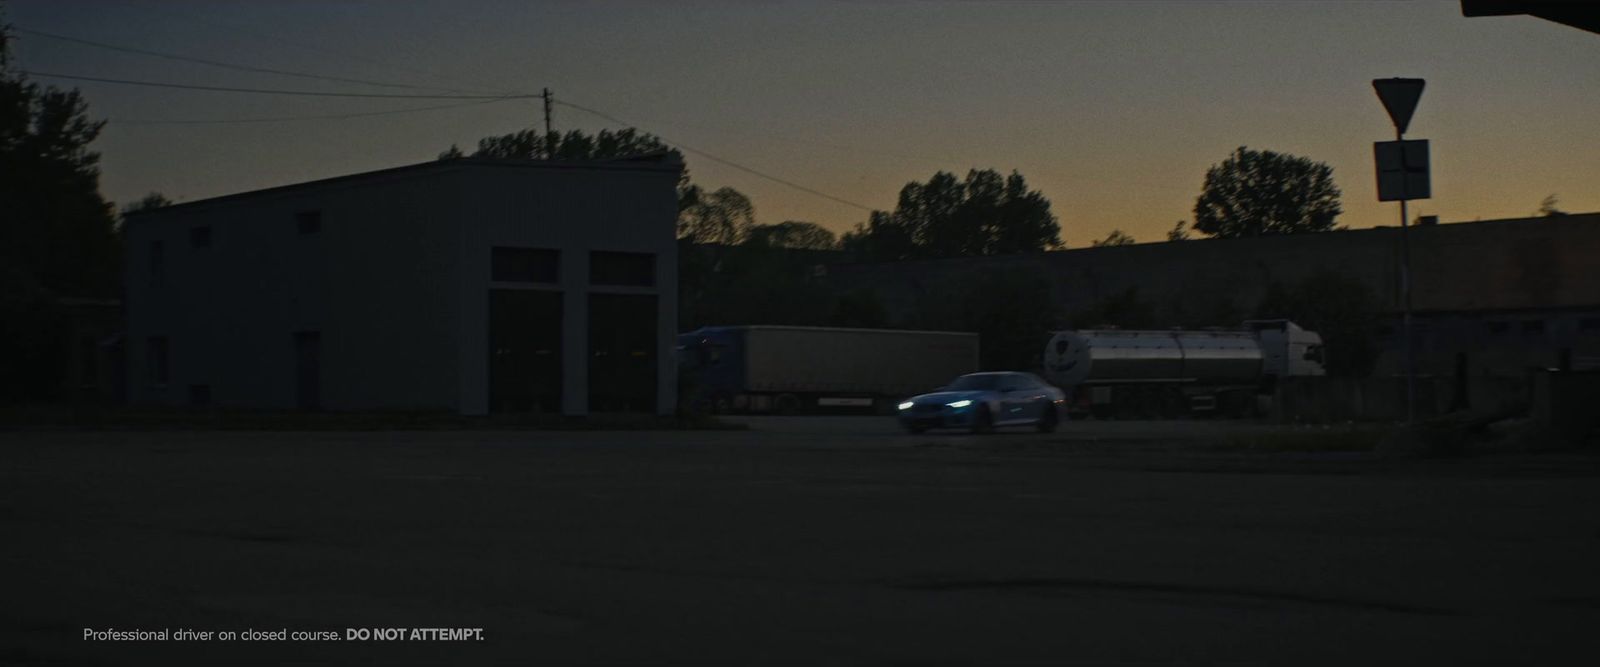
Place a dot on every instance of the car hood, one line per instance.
(941, 397)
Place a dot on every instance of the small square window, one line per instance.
(200, 237)
(629, 269)
(308, 222)
(525, 265)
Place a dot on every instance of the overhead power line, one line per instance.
(307, 45)
(714, 158)
(232, 66)
(273, 91)
(281, 119)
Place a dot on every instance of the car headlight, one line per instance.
(906, 405)
(959, 404)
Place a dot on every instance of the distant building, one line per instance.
(1496, 296)
(470, 285)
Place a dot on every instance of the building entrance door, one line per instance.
(622, 353)
(524, 351)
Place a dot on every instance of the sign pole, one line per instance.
(1405, 292)
(1399, 97)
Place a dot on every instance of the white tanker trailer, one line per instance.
(1113, 373)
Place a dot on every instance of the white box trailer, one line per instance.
(790, 369)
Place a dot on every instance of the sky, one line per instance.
(1114, 110)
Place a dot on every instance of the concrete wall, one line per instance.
(1319, 400)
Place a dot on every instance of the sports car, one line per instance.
(981, 402)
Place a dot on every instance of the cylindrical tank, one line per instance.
(1201, 357)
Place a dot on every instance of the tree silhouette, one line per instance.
(986, 214)
(792, 234)
(722, 217)
(1253, 193)
(574, 145)
(1116, 237)
(707, 217)
(1337, 305)
(881, 238)
(148, 202)
(56, 230)
(1547, 207)
(1012, 309)
(1178, 233)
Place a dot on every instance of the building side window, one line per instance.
(1533, 326)
(156, 354)
(525, 265)
(1498, 328)
(200, 237)
(627, 269)
(308, 222)
(158, 264)
(1589, 326)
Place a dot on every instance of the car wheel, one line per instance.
(1048, 418)
(982, 421)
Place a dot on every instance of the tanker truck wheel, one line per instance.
(982, 421)
(1048, 418)
(787, 404)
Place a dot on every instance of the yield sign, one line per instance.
(1399, 98)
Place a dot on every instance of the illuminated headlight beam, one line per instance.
(906, 405)
(959, 404)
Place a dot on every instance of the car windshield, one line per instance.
(974, 382)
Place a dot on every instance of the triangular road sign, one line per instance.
(1399, 98)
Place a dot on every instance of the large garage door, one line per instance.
(622, 352)
(524, 351)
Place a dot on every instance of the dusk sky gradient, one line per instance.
(1113, 110)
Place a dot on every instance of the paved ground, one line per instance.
(822, 540)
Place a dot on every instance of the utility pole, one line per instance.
(547, 112)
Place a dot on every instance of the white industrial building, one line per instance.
(472, 285)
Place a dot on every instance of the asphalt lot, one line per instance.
(804, 540)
